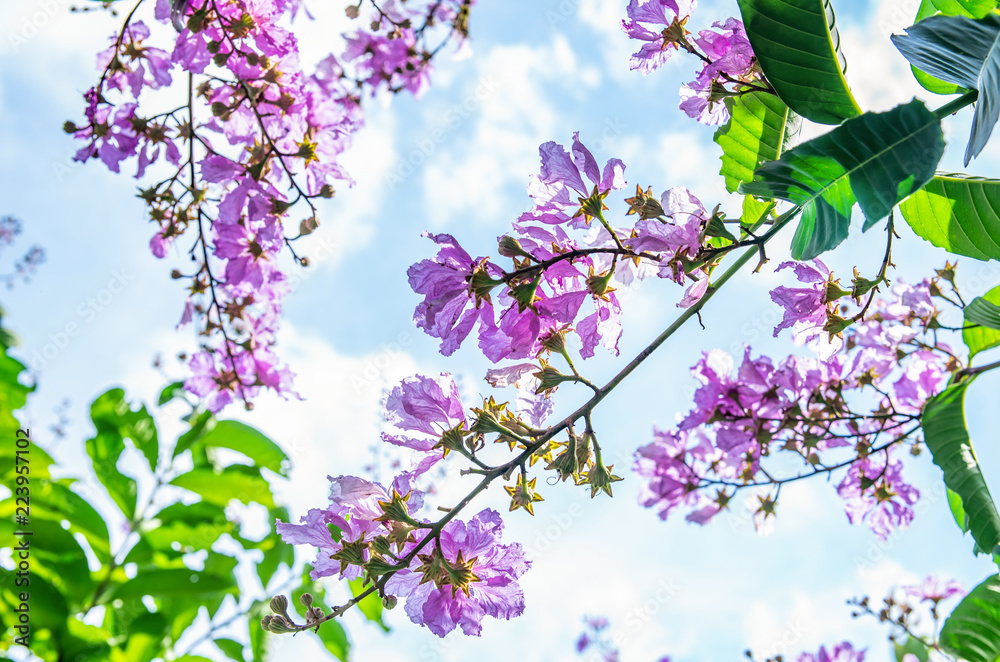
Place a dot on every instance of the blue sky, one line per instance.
(540, 71)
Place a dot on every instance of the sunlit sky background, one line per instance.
(543, 70)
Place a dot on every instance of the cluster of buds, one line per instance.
(279, 622)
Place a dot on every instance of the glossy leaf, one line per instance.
(874, 160)
(233, 482)
(247, 440)
(947, 438)
(963, 51)
(972, 631)
(987, 336)
(755, 133)
(959, 213)
(798, 47)
(969, 8)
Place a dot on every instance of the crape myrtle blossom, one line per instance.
(465, 575)
(658, 23)
(259, 139)
(842, 652)
(468, 576)
(846, 411)
(730, 59)
(429, 406)
(566, 267)
(934, 590)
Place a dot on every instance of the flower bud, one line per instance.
(390, 601)
(279, 605)
(511, 247)
(306, 599)
(352, 12)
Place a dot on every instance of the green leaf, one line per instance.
(201, 423)
(231, 649)
(55, 500)
(334, 637)
(370, 605)
(170, 392)
(987, 314)
(958, 510)
(959, 213)
(947, 438)
(755, 133)
(963, 51)
(798, 47)
(874, 160)
(104, 449)
(174, 582)
(249, 441)
(970, 8)
(258, 635)
(983, 312)
(972, 631)
(233, 482)
(110, 413)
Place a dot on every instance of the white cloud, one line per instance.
(513, 102)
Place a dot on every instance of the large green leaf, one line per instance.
(249, 441)
(972, 631)
(104, 449)
(755, 133)
(963, 51)
(798, 47)
(987, 335)
(874, 160)
(959, 213)
(947, 438)
(969, 8)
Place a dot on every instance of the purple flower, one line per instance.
(805, 307)
(934, 590)
(449, 310)
(430, 405)
(559, 186)
(657, 49)
(494, 590)
(875, 493)
(352, 511)
(842, 652)
(675, 239)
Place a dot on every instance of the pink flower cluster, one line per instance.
(848, 408)
(464, 576)
(567, 267)
(726, 55)
(257, 137)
